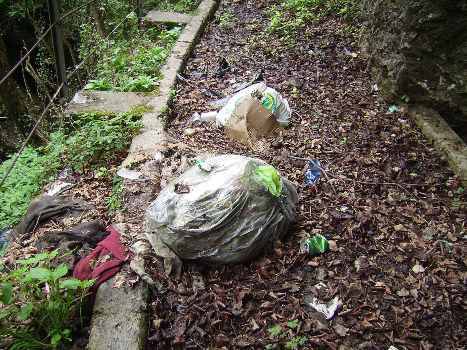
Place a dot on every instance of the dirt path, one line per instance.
(393, 208)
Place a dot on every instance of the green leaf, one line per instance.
(25, 312)
(7, 293)
(34, 259)
(38, 258)
(293, 324)
(295, 343)
(59, 272)
(87, 283)
(55, 340)
(71, 283)
(40, 273)
(275, 330)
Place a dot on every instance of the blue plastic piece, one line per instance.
(313, 173)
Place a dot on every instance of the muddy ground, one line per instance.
(394, 211)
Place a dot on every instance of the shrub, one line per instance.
(39, 305)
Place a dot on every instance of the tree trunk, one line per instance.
(98, 20)
(13, 109)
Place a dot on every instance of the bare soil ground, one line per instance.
(389, 203)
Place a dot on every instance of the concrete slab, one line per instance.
(170, 70)
(191, 32)
(435, 128)
(119, 318)
(155, 16)
(109, 101)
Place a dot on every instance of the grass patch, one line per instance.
(88, 140)
(184, 6)
(226, 19)
(291, 15)
(132, 62)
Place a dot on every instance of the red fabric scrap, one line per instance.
(111, 247)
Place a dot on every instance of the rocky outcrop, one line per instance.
(418, 49)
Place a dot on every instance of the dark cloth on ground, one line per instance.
(44, 208)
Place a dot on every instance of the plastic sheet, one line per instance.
(225, 215)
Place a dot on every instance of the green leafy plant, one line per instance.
(39, 304)
(172, 5)
(115, 201)
(35, 166)
(293, 324)
(275, 330)
(226, 19)
(286, 336)
(133, 62)
(296, 343)
(100, 138)
(101, 85)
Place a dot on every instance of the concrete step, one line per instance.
(105, 101)
(154, 16)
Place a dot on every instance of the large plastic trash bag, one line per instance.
(223, 210)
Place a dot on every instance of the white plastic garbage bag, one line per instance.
(271, 100)
(223, 210)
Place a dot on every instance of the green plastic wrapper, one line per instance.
(316, 245)
(270, 178)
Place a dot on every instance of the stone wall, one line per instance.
(418, 48)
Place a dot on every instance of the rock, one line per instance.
(189, 131)
(417, 49)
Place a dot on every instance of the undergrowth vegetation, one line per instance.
(87, 140)
(39, 305)
(115, 200)
(172, 5)
(226, 19)
(132, 62)
(287, 336)
(291, 15)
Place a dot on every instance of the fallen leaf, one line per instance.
(403, 292)
(399, 227)
(417, 268)
(340, 330)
